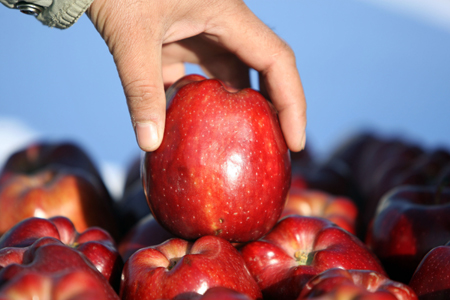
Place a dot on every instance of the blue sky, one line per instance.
(384, 66)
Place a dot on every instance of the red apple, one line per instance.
(55, 270)
(409, 222)
(223, 167)
(430, 280)
(145, 233)
(355, 284)
(333, 177)
(39, 154)
(95, 243)
(45, 180)
(298, 248)
(390, 159)
(427, 169)
(74, 285)
(339, 173)
(314, 203)
(178, 267)
(214, 293)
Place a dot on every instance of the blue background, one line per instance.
(362, 66)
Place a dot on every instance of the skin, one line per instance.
(151, 40)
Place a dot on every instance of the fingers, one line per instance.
(225, 39)
(215, 61)
(137, 54)
(260, 48)
(282, 83)
(171, 73)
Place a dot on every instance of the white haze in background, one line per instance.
(15, 134)
(114, 177)
(434, 12)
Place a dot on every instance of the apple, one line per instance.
(39, 154)
(393, 157)
(409, 222)
(353, 147)
(145, 233)
(355, 284)
(178, 267)
(427, 169)
(332, 177)
(307, 202)
(95, 243)
(223, 167)
(74, 285)
(55, 271)
(46, 180)
(297, 249)
(430, 280)
(214, 293)
(338, 174)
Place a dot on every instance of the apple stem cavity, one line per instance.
(304, 258)
(173, 263)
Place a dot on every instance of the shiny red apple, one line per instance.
(54, 179)
(214, 293)
(223, 167)
(297, 249)
(315, 203)
(65, 285)
(431, 279)
(95, 243)
(409, 222)
(355, 284)
(55, 271)
(178, 267)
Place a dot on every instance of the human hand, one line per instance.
(150, 40)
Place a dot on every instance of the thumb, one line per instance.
(140, 72)
(137, 55)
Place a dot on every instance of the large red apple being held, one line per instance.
(223, 167)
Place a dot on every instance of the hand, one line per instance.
(151, 39)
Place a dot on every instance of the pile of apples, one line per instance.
(222, 210)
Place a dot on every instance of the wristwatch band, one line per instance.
(57, 13)
(64, 13)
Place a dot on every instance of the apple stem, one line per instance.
(303, 257)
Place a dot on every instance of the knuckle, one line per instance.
(140, 93)
(142, 99)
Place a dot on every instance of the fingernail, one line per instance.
(147, 136)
